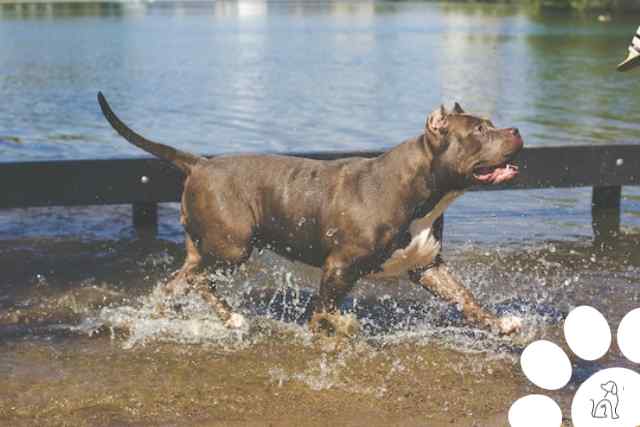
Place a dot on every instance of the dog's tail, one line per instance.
(182, 160)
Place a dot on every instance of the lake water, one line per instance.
(282, 76)
(296, 76)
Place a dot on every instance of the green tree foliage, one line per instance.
(603, 5)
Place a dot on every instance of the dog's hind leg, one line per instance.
(193, 277)
(192, 266)
(207, 290)
(179, 283)
(440, 281)
(223, 249)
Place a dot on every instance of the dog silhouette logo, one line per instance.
(607, 407)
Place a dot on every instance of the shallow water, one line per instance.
(80, 342)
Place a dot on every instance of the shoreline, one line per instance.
(610, 7)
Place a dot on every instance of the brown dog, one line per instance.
(351, 217)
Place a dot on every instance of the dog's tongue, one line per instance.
(497, 175)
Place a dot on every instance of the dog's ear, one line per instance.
(438, 122)
(436, 129)
(457, 109)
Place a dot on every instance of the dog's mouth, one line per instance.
(495, 174)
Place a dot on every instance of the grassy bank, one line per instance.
(586, 5)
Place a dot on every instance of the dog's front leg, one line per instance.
(338, 277)
(440, 281)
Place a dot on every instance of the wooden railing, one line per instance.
(144, 183)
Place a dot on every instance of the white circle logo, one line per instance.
(587, 333)
(535, 410)
(546, 365)
(608, 398)
(628, 335)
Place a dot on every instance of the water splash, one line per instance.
(278, 299)
(142, 321)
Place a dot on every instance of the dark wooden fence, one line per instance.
(144, 183)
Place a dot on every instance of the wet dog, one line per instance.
(352, 217)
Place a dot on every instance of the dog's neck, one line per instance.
(412, 159)
(426, 188)
(413, 162)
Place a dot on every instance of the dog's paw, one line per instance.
(509, 325)
(347, 325)
(236, 321)
(335, 324)
(160, 310)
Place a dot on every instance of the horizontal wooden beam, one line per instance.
(88, 182)
(148, 180)
(576, 166)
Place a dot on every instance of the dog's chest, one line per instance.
(423, 247)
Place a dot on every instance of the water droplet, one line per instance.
(331, 232)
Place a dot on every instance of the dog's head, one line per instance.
(470, 150)
(609, 387)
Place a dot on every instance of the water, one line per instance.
(77, 325)
(77, 289)
(282, 76)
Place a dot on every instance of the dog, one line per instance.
(607, 407)
(352, 217)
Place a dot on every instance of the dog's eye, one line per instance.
(479, 129)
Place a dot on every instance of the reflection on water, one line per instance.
(282, 76)
(263, 76)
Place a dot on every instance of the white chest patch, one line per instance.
(423, 248)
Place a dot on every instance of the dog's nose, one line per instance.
(517, 139)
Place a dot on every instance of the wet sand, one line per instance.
(276, 382)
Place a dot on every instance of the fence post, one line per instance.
(145, 219)
(605, 212)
